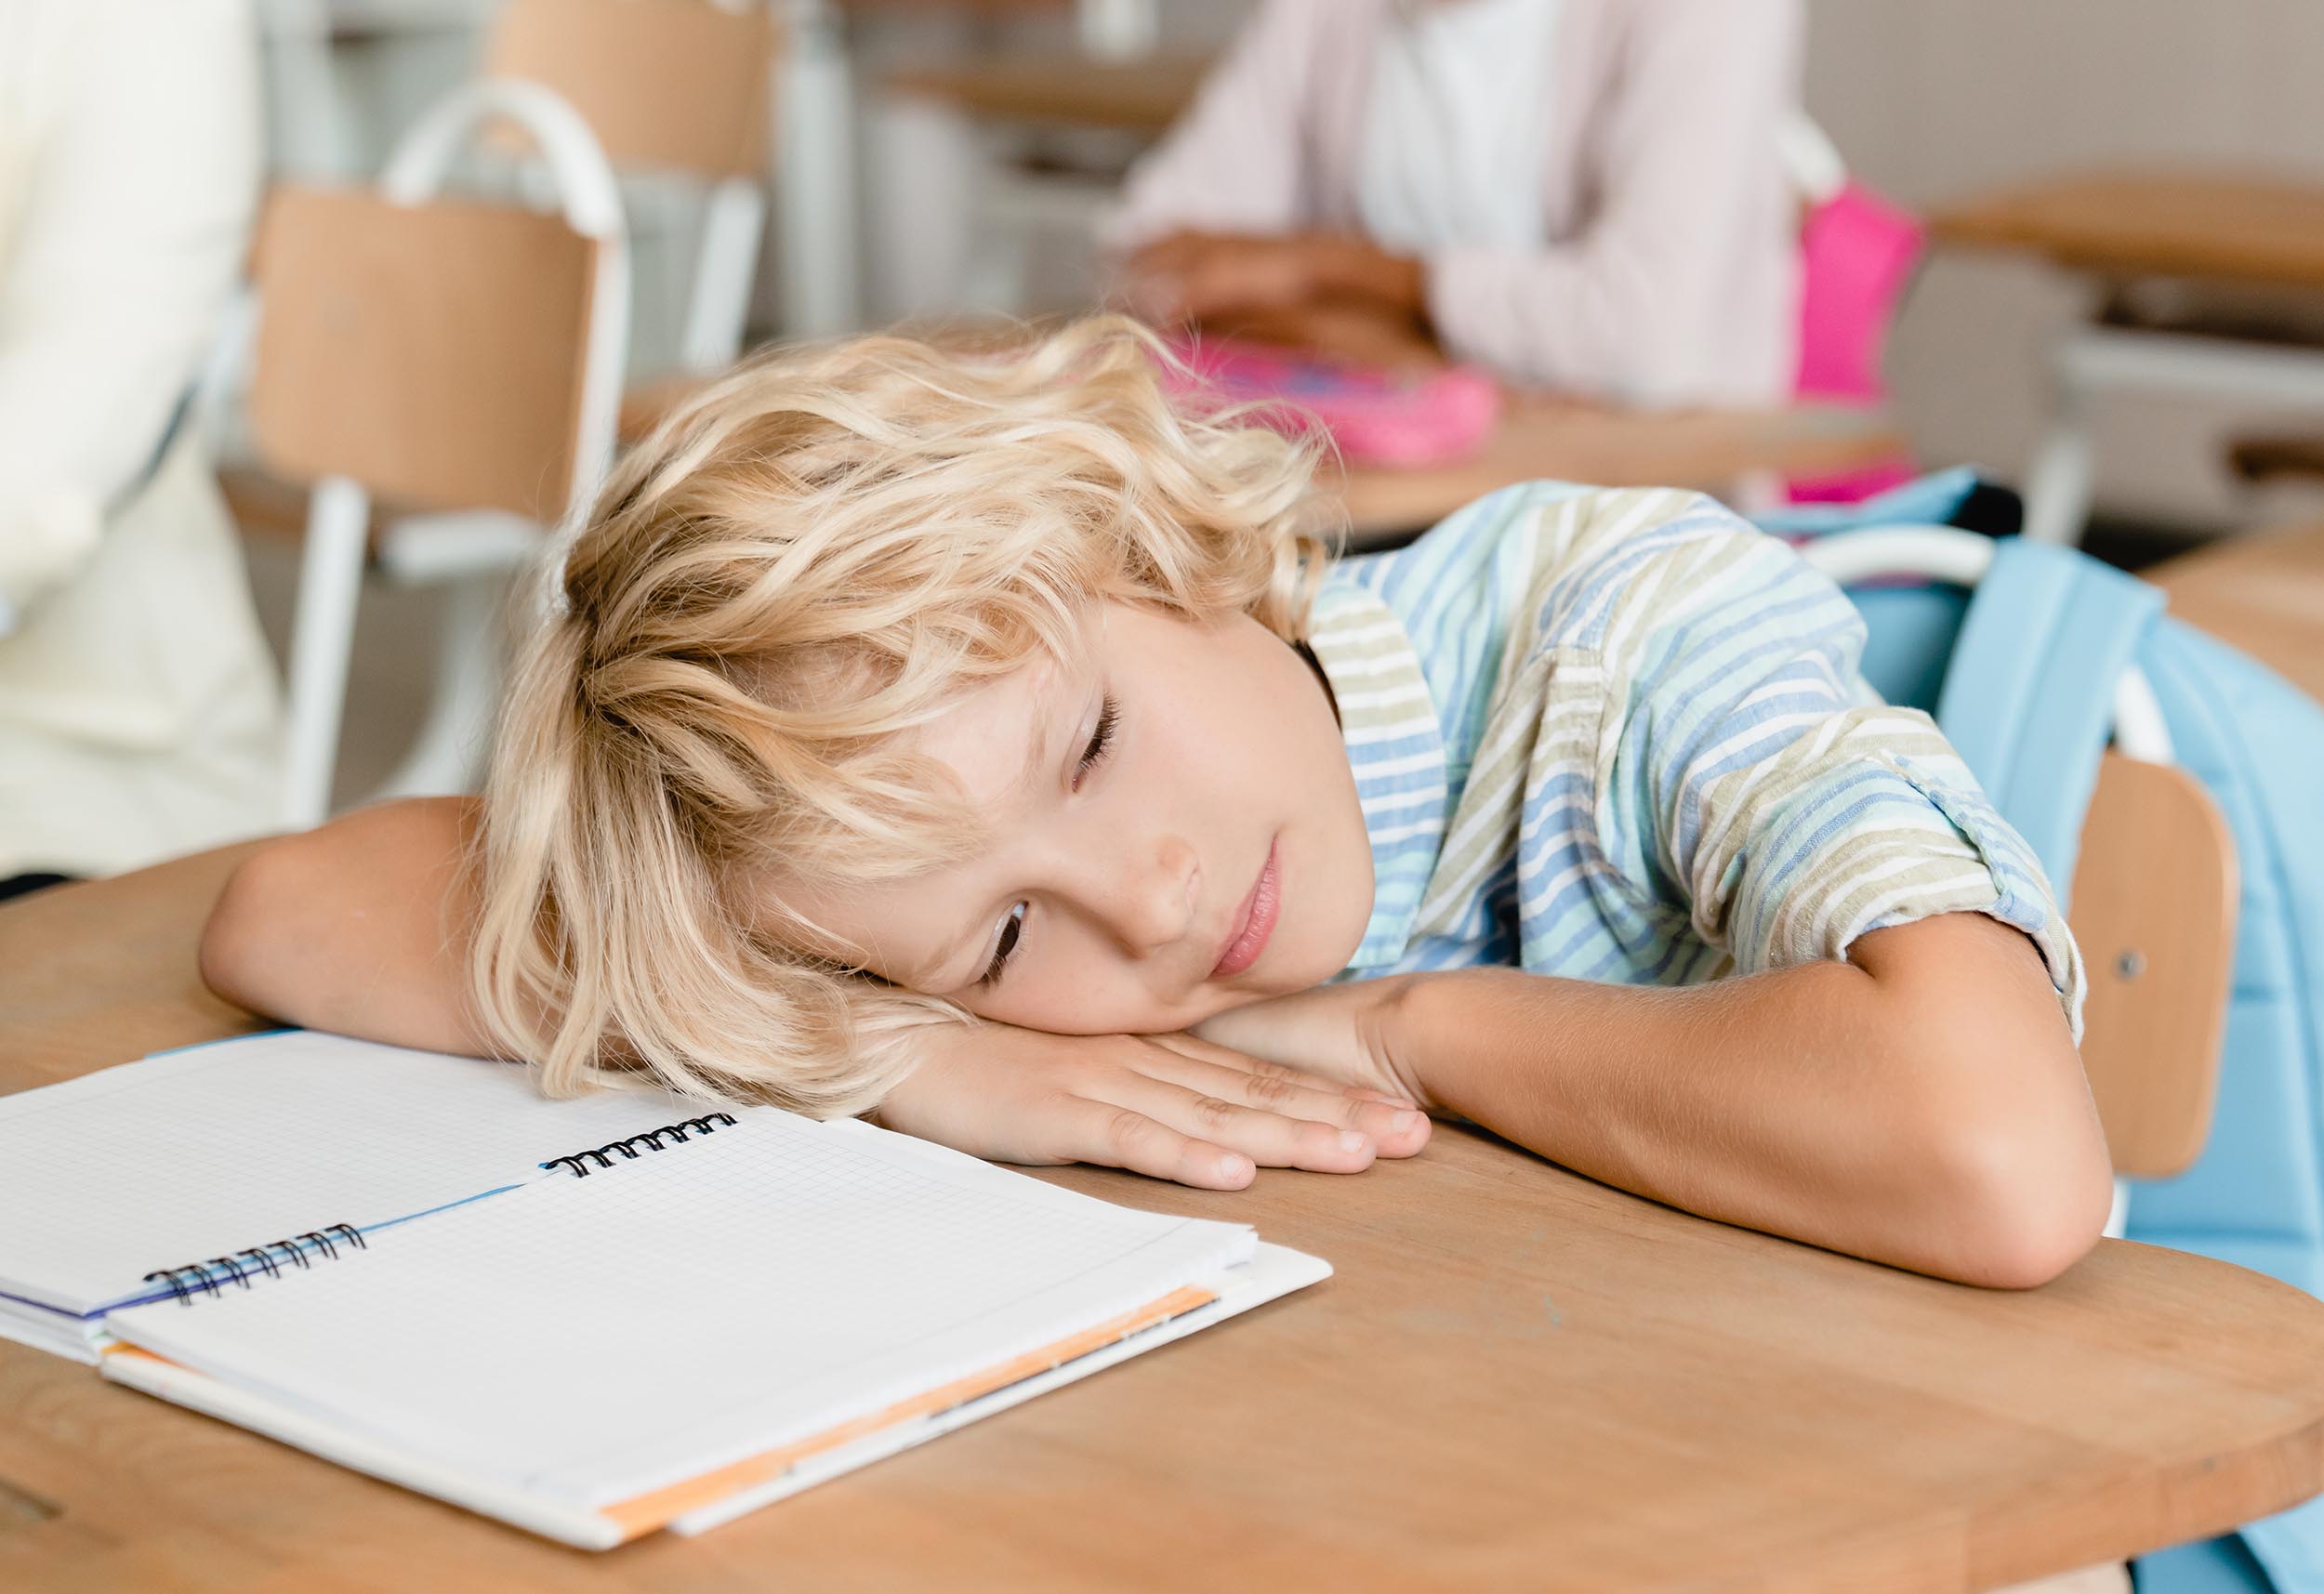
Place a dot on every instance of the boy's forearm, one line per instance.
(1866, 1106)
(360, 927)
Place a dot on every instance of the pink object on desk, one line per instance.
(1857, 256)
(1375, 417)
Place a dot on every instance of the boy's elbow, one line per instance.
(241, 946)
(2018, 1197)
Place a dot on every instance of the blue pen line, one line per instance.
(224, 1040)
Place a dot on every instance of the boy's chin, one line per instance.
(1287, 983)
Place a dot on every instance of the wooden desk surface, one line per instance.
(2259, 591)
(1141, 97)
(1574, 441)
(1517, 1380)
(1545, 437)
(2230, 226)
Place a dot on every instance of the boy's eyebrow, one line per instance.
(1040, 752)
(1042, 755)
(1049, 728)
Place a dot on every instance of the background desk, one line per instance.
(2133, 232)
(1517, 1380)
(1572, 442)
(1537, 437)
(2263, 592)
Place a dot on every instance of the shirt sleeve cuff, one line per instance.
(2021, 895)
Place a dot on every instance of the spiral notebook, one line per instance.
(592, 1319)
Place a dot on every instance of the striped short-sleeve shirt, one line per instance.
(1622, 736)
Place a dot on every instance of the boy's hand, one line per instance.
(1350, 1033)
(1171, 1106)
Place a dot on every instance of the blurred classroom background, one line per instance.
(933, 158)
(1928, 103)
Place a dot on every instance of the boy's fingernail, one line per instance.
(1234, 1167)
(1352, 1141)
(1404, 1122)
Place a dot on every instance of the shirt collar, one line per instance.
(1395, 745)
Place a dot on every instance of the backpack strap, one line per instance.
(2029, 698)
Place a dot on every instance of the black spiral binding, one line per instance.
(651, 1140)
(297, 1251)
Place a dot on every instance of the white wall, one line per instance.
(1937, 98)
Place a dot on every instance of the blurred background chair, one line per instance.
(451, 357)
(676, 94)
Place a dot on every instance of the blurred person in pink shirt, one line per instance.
(1583, 195)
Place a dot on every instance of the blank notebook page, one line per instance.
(199, 1153)
(597, 1337)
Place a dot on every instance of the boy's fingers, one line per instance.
(1121, 1137)
(1189, 1045)
(1394, 1127)
(1273, 1137)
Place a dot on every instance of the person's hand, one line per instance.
(1212, 276)
(1170, 1106)
(1356, 331)
(1350, 1033)
(1198, 276)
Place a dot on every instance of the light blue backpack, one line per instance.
(2022, 673)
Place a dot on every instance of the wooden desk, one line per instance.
(1517, 1380)
(2224, 225)
(1547, 436)
(1141, 97)
(2264, 593)
(1574, 441)
(2253, 236)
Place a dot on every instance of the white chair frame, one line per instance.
(472, 552)
(733, 220)
(2091, 360)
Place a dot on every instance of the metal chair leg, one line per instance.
(447, 756)
(330, 579)
(2058, 486)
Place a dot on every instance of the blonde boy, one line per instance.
(980, 741)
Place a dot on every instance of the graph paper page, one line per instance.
(597, 1337)
(203, 1152)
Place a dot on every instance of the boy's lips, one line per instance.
(1254, 921)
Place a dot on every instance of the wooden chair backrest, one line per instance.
(677, 84)
(2154, 910)
(434, 353)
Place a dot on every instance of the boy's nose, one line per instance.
(1156, 892)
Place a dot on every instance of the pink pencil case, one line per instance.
(1376, 417)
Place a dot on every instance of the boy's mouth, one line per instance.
(1254, 921)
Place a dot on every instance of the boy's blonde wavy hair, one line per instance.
(820, 550)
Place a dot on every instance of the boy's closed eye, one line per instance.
(1011, 928)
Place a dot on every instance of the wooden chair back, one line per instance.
(2154, 909)
(434, 353)
(678, 85)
